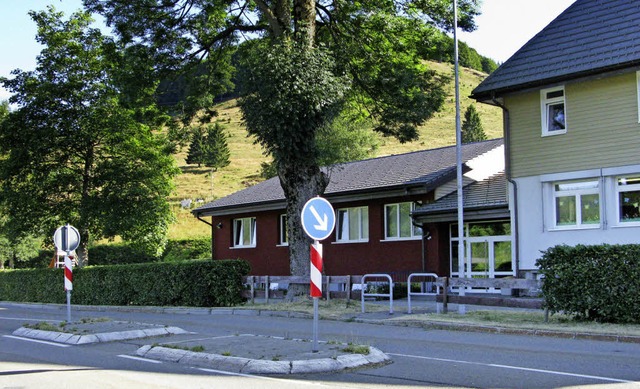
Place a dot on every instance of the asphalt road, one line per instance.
(421, 358)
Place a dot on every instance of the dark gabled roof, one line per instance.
(488, 193)
(589, 37)
(426, 169)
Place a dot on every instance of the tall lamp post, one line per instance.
(461, 272)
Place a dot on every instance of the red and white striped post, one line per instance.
(316, 287)
(316, 269)
(68, 273)
(68, 283)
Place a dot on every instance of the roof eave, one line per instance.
(488, 95)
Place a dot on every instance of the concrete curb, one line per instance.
(67, 338)
(260, 366)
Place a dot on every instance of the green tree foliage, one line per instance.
(216, 151)
(311, 59)
(4, 109)
(16, 251)
(472, 126)
(347, 139)
(440, 48)
(196, 147)
(209, 147)
(80, 147)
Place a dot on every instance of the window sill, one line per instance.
(401, 239)
(350, 241)
(283, 245)
(553, 133)
(626, 225)
(242, 247)
(575, 228)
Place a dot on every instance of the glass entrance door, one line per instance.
(488, 251)
(488, 257)
(478, 258)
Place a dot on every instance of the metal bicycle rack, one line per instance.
(409, 293)
(390, 294)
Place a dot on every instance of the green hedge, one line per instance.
(600, 282)
(191, 283)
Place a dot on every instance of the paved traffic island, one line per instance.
(125, 331)
(254, 354)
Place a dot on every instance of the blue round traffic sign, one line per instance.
(318, 218)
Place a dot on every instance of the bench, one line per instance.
(532, 287)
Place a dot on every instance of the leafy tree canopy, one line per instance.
(308, 61)
(80, 147)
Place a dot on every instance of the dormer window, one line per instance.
(552, 105)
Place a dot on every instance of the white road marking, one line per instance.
(207, 338)
(29, 319)
(562, 373)
(138, 358)
(37, 341)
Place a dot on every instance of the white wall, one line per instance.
(535, 230)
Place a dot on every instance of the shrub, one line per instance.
(190, 283)
(600, 282)
(117, 254)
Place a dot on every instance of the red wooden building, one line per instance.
(393, 213)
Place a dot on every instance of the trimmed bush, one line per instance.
(117, 254)
(600, 282)
(191, 283)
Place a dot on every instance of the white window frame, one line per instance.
(638, 93)
(577, 192)
(283, 237)
(344, 216)
(635, 187)
(239, 226)
(416, 232)
(545, 103)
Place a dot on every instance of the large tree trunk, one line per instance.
(300, 184)
(304, 15)
(83, 248)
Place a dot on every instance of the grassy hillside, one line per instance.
(196, 183)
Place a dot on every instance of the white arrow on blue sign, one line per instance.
(318, 219)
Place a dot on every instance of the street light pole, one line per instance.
(461, 272)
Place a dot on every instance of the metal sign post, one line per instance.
(318, 221)
(67, 239)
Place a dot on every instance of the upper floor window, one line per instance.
(353, 224)
(628, 189)
(552, 105)
(577, 204)
(283, 236)
(398, 223)
(244, 232)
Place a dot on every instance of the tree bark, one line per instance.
(300, 184)
(304, 15)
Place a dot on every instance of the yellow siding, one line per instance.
(602, 128)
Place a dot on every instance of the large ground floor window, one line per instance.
(488, 250)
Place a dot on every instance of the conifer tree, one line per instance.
(472, 126)
(215, 153)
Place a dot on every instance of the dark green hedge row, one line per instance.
(122, 253)
(192, 283)
(600, 282)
